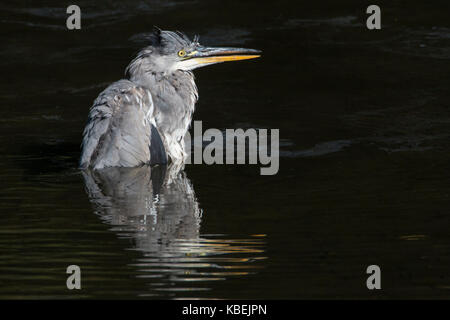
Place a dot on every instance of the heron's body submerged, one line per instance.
(131, 124)
(143, 119)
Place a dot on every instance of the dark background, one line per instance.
(364, 169)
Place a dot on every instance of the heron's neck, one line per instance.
(165, 85)
(174, 97)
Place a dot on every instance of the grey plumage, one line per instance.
(143, 119)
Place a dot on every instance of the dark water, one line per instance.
(364, 172)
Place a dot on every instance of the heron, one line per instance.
(143, 118)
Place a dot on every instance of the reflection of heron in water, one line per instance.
(146, 199)
(157, 207)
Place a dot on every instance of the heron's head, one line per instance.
(170, 51)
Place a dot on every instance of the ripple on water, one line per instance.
(157, 211)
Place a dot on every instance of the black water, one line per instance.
(364, 172)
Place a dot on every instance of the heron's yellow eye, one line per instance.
(181, 53)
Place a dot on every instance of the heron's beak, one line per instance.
(206, 56)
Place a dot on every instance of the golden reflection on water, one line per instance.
(413, 237)
(157, 209)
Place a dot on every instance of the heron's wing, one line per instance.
(119, 129)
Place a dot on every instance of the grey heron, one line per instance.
(143, 118)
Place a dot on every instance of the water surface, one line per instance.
(364, 169)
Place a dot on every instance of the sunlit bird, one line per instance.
(143, 119)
